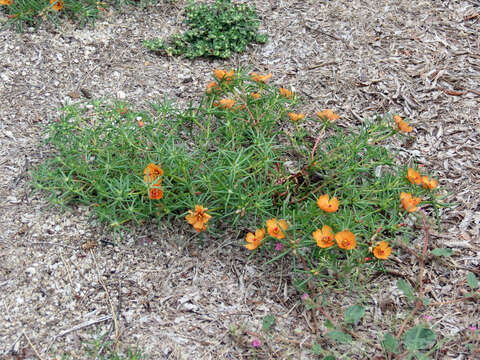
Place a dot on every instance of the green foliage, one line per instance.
(390, 343)
(32, 13)
(419, 337)
(246, 162)
(216, 30)
(442, 252)
(472, 280)
(339, 336)
(354, 314)
(267, 322)
(406, 289)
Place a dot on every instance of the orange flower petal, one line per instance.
(414, 176)
(57, 4)
(328, 114)
(328, 205)
(285, 93)
(152, 172)
(346, 240)
(324, 237)
(275, 228)
(382, 250)
(295, 117)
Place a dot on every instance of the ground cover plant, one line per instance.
(21, 13)
(216, 30)
(242, 159)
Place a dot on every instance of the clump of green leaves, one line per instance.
(216, 30)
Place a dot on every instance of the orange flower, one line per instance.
(346, 240)
(414, 176)
(429, 183)
(275, 228)
(285, 93)
(324, 237)
(328, 205)
(224, 75)
(409, 203)
(156, 193)
(199, 218)
(57, 4)
(327, 114)
(6, 2)
(402, 125)
(225, 103)
(382, 250)
(295, 117)
(212, 86)
(255, 95)
(151, 173)
(260, 78)
(254, 241)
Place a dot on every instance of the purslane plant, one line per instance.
(21, 13)
(331, 198)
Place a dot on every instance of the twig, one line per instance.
(84, 325)
(31, 345)
(78, 327)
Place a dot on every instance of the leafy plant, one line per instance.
(228, 162)
(216, 30)
(21, 13)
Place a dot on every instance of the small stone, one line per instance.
(121, 95)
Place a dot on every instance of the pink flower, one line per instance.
(256, 343)
(428, 317)
(278, 247)
(304, 296)
(473, 328)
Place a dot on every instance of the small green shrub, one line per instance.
(216, 30)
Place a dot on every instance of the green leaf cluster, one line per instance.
(216, 30)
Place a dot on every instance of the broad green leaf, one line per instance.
(267, 322)
(329, 324)
(353, 314)
(317, 349)
(472, 280)
(329, 357)
(339, 336)
(442, 252)
(389, 343)
(419, 337)
(406, 289)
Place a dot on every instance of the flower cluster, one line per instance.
(198, 218)
(416, 178)
(6, 2)
(402, 125)
(275, 228)
(153, 177)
